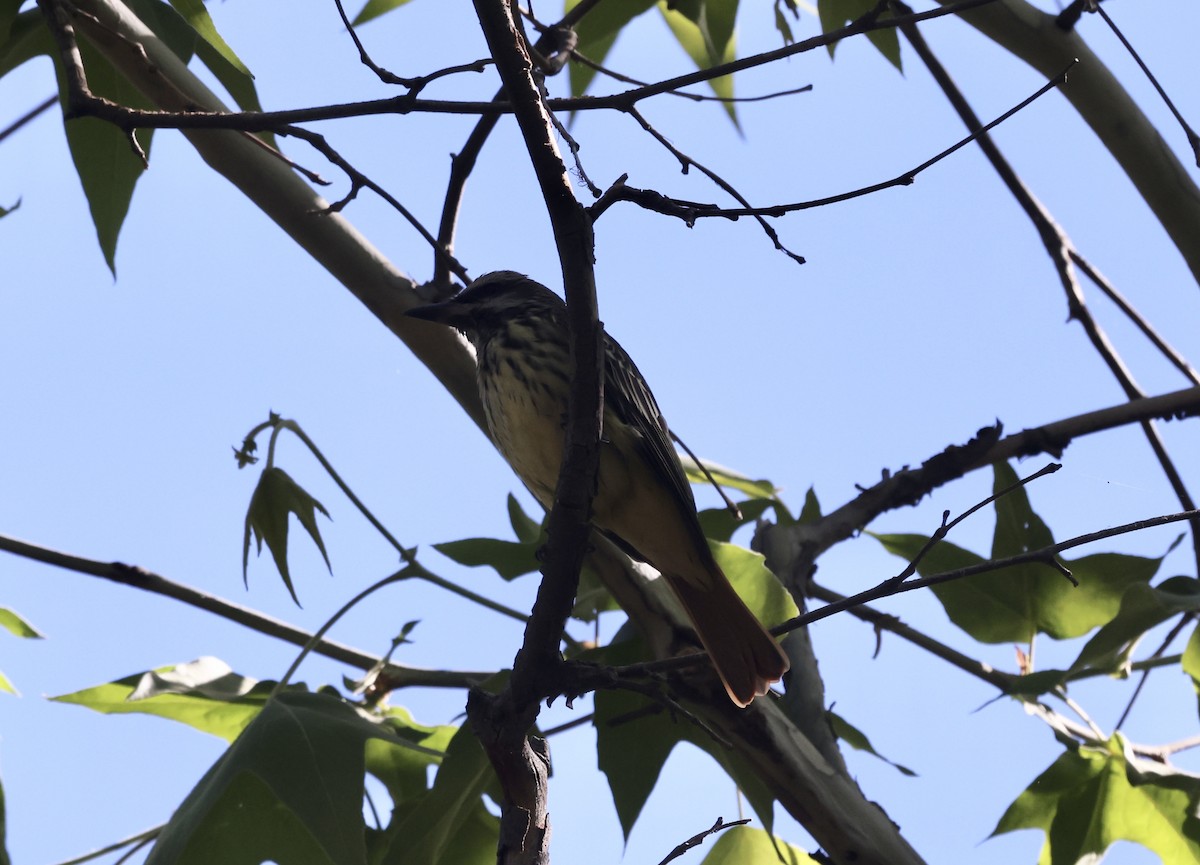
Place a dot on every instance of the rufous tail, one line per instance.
(746, 657)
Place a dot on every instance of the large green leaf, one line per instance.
(634, 739)
(403, 770)
(447, 822)
(835, 14)
(1013, 604)
(298, 765)
(745, 845)
(25, 36)
(597, 32)
(275, 499)
(755, 584)
(205, 694)
(1090, 798)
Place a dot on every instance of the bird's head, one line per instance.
(493, 301)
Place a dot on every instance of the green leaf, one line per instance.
(1191, 659)
(216, 54)
(1012, 604)
(719, 524)
(26, 37)
(205, 694)
(1142, 608)
(247, 824)
(597, 32)
(403, 769)
(705, 30)
(526, 528)
(858, 740)
(729, 478)
(634, 739)
(592, 597)
(510, 559)
(9, 10)
(105, 161)
(753, 581)
(1091, 797)
(17, 626)
(811, 512)
(430, 832)
(375, 8)
(745, 845)
(835, 14)
(275, 498)
(299, 764)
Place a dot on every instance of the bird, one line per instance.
(643, 501)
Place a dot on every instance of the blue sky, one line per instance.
(923, 313)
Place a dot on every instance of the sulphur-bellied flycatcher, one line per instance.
(519, 330)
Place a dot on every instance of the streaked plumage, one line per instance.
(519, 330)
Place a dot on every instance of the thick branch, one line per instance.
(909, 486)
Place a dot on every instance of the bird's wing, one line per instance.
(629, 398)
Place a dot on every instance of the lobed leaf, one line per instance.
(275, 498)
(1014, 603)
(295, 775)
(1092, 797)
(204, 694)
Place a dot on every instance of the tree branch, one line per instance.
(147, 581)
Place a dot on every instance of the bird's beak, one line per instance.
(449, 313)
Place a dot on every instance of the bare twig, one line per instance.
(28, 116)
(147, 581)
(1192, 137)
(689, 211)
(1058, 247)
(686, 162)
(414, 85)
(699, 838)
(1184, 620)
(945, 527)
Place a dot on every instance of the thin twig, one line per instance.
(691, 210)
(139, 839)
(140, 578)
(1192, 137)
(945, 528)
(28, 116)
(1184, 620)
(1057, 247)
(698, 839)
